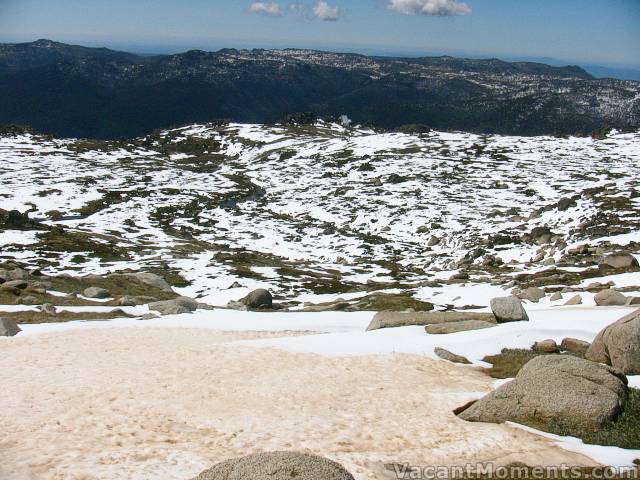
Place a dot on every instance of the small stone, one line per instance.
(556, 296)
(29, 300)
(48, 309)
(620, 261)
(19, 284)
(96, 292)
(575, 300)
(573, 345)
(546, 346)
(451, 357)
(533, 294)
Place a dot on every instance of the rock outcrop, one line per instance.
(618, 345)
(559, 389)
(405, 319)
(277, 466)
(8, 328)
(508, 309)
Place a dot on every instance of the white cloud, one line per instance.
(266, 8)
(326, 12)
(438, 8)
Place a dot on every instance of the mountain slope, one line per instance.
(76, 91)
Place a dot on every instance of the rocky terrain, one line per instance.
(76, 91)
(496, 277)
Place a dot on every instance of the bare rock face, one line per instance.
(609, 298)
(405, 319)
(562, 389)
(277, 466)
(8, 328)
(451, 357)
(620, 261)
(508, 309)
(618, 345)
(455, 327)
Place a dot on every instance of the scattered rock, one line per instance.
(19, 284)
(556, 296)
(177, 306)
(455, 327)
(277, 466)
(610, 297)
(129, 301)
(8, 328)
(620, 261)
(546, 346)
(48, 309)
(575, 300)
(234, 285)
(96, 292)
(632, 301)
(260, 298)
(153, 280)
(404, 319)
(433, 241)
(29, 300)
(566, 203)
(561, 389)
(150, 316)
(573, 345)
(533, 294)
(618, 345)
(451, 357)
(508, 309)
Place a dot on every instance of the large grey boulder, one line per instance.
(618, 345)
(560, 389)
(96, 292)
(405, 319)
(620, 261)
(260, 298)
(8, 328)
(277, 466)
(455, 327)
(609, 298)
(175, 306)
(508, 309)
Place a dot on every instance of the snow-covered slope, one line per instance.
(316, 212)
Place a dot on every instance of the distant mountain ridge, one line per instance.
(95, 92)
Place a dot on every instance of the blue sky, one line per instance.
(605, 32)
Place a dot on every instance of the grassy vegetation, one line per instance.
(61, 240)
(34, 317)
(623, 433)
(509, 361)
